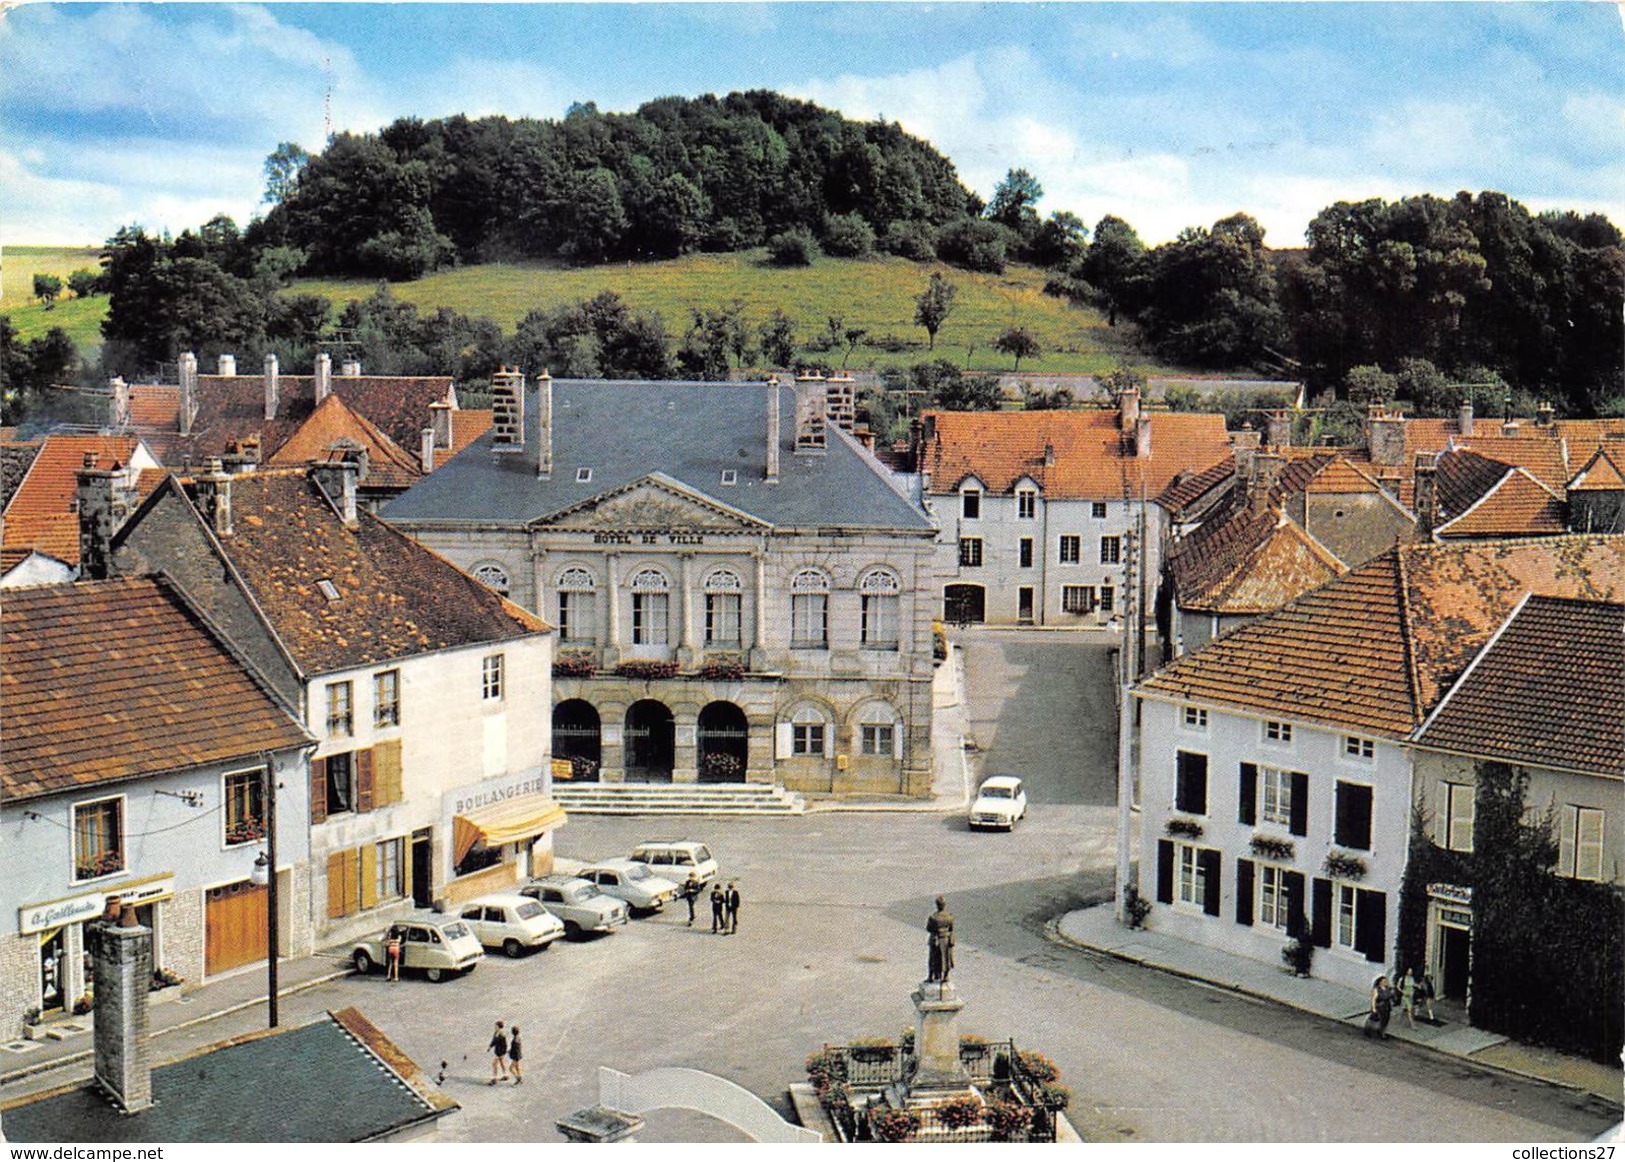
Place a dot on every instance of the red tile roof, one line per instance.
(1517, 505)
(335, 421)
(1280, 562)
(110, 680)
(1190, 487)
(1603, 472)
(395, 597)
(467, 425)
(1376, 648)
(43, 512)
(1093, 458)
(1548, 691)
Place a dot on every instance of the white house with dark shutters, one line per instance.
(1276, 764)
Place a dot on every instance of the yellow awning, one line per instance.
(507, 822)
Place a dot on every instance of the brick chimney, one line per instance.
(337, 479)
(812, 409)
(212, 492)
(1278, 430)
(426, 450)
(1049, 455)
(1464, 419)
(508, 410)
(1142, 438)
(841, 402)
(97, 521)
(271, 383)
(1543, 414)
(1385, 436)
(226, 365)
(350, 368)
(544, 424)
(773, 424)
(1128, 409)
(324, 377)
(1427, 502)
(440, 423)
(122, 953)
(188, 407)
(1266, 472)
(119, 415)
(1244, 447)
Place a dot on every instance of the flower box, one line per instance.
(574, 665)
(1270, 847)
(1343, 866)
(1189, 828)
(647, 670)
(722, 668)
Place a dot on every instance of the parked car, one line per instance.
(675, 859)
(578, 903)
(1000, 802)
(634, 882)
(511, 922)
(439, 945)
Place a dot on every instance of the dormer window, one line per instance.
(329, 590)
(971, 503)
(583, 475)
(730, 476)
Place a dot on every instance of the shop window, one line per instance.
(245, 807)
(98, 838)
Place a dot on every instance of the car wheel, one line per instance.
(572, 930)
(435, 975)
(511, 948)
(363, 962)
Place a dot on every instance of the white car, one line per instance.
(629, 880)
(511, 922)
(439, 945)
(999, 803)
(677, 859)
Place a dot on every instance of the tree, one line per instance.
(778, 335)
(1015, 203)
(1019, 343)
(1368, 384)
(974, 244)
(944, 386)
(848, 236)
(1039, 400)
(1059, 244)
(282, 171)
(47, 289)
(794, 247)
(934, 305)
(1112, 264)
(84, 283)
(853, 336)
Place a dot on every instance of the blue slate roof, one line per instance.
(691, 432)
(316, 1083)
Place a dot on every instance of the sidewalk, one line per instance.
(1096, 929)
(171, 1010)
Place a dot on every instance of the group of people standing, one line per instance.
(1410, 992)
(507, 1055)
(724, 904)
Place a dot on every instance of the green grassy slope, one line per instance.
(80, 318)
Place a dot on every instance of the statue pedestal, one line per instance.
(936, 1071)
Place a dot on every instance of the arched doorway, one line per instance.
(724, 743)
(964, 605)
(651, 742)
(577, 736)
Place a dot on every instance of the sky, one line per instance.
(1167, 115)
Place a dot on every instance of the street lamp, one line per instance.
(264, 874)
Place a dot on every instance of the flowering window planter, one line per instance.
(103, 865)
(574, 666)
(245, 831)
(1189, 828)
(722, 668)
(646, 670)
(1269, 847)
(1340, 865)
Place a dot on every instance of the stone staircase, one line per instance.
(677, 799)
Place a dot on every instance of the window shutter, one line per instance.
(1165, 871)
(386, 773)
(1190, 790)
(406, 865)
(1322, 934)
(352, 880)
(1353, 816)
(369, 876)
(1292, 890)
(363, 780)
(783, 740)
(1244, 891)
(1371, 925)
(1247, 790)
(1441, 814)
(1210, 863)
(1588, 844)
(318, 791)
(1565, 842)
(335, 886)
(1299, 822)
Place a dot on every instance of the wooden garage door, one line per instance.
(235, 926)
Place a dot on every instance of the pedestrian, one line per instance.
(392, 957)
(732, 899)
(1407, 997)
(514, 1055)
(1382, 1008)
(1424, 995)
(499, 1055)
(691, 892)
(718, 902)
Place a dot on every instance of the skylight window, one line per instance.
(583, 475)
(329, 590)
(730, 476)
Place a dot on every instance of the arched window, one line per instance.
(651, 608)
(809, 610)
(879, 590)
(578, 606)
(723, 588)
(492, 576)
(878, 730)
(809, 732)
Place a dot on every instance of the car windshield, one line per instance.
(582, 892)
(455, 931)
(529, 910)
(702, 853)
(996, 793)
(637, 872)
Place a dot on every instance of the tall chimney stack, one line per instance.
(122, 954)
(508, 410)
(811, 415)
(426, 450)
(1385, 436)
(1128, 409)
(1464, 420)
(96, 520)
(119, 418)
(1244, 447)
(350, 368)
(188, 408)
(773, 429)
(324, 376)
(226, 365)
(213, 493)
(440, 423)
(1267, 468)
(544, 425)
(1427, 503)
(270, 386)
(1278, 430)
(1142, 437)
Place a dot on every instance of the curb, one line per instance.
(34, 1070)
(1053, 933)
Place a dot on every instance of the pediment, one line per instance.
(654, 503)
